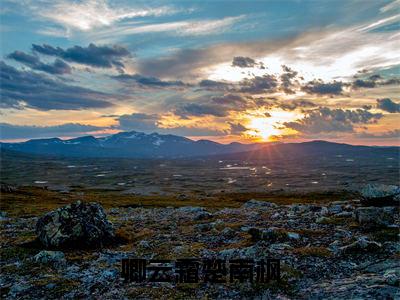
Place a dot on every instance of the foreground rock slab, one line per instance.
(77, 225)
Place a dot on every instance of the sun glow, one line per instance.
(263, 128)
(267, 128)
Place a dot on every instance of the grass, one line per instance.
(34, 201)
(312, 251)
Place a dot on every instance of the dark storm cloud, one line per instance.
(321, 88)
(19, 88)
(148, 81)
(237, 128)
(217, 106)
(297, 104)
(200, 109)
(374, 81)
(332, 120)
(139, 121)
(388, 105)
(10, 131)
(34, 62)
(94, 56)
(213, 85)
(287, 80)
(259, 84)
(243, 62)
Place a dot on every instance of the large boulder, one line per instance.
(78, 225)
(374, 216)
(380, 195)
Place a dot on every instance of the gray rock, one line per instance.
(50, 257)
(324, 211)
(374, 216)
(195, 212)
(279, 247)
(258, 204)
(293, 235)
(18, 289)
(7, 188)
(344, 214)
(380, 194)
(203, 227)
(75, 226)
(3, 215)
(361, 245)
(392, 277)
(335, 209)
(322, 220)
(272, 235)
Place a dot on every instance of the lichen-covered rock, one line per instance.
(374, 216)
(77, 225)
(50, 257)
(363, 244)
(271, 234)
(380, 194)
(258, 204)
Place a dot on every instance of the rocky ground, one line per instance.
(347, 249)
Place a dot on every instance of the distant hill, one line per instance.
(141, 145)
(128, 144)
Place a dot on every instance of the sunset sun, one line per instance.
(263, 128)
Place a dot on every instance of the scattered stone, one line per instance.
(75, 226)
(50, 257)
(335, 209)
(344, 214)
(293, 235)
(279, 247)
(3, 215)
(258, 204)
(392, 277)
(324, 211)
(196, 212)
(323, 220)
(7, 188)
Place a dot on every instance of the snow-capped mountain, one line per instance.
(128, 144)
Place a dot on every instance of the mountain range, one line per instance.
(141, 145)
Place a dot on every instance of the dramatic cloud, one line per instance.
(237, 128)
(374, 81)
(320, 88)
(296, 104)
(58, 67)
(88, 15)
(26, 88)
(388, 105)
(287, 80)
(332, 120)
(259, 84)
(94, 56)
(152, 122)
(214, 85)
(392, 134)
(10, 131)
(139, 121)
(196, 109)
(148, 81)
(243, 62)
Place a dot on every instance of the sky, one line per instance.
(246, 71)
